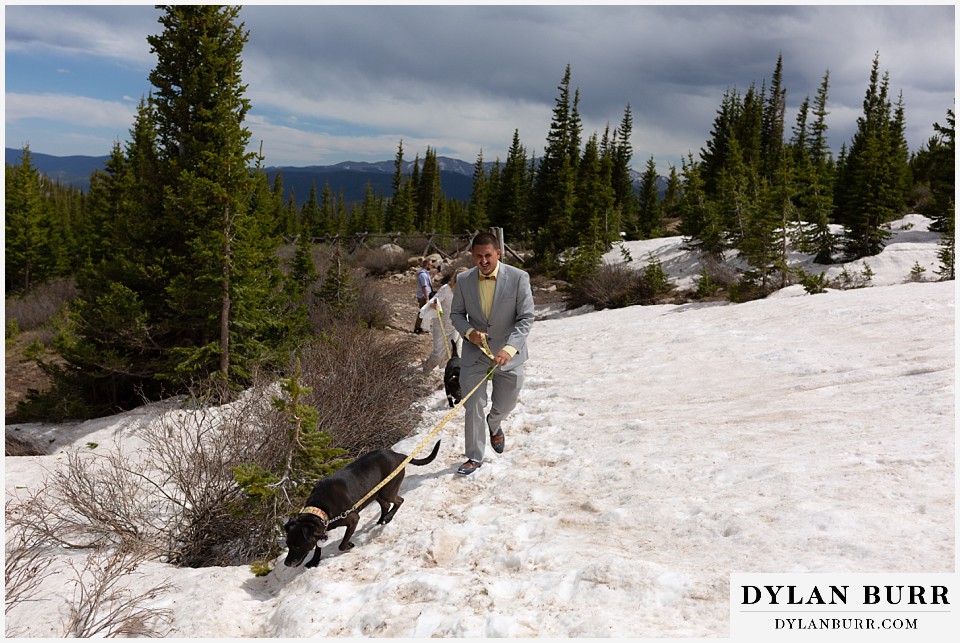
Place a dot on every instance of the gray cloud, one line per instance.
(463, 78)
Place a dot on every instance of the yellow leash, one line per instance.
(443, 330)
(449, 416)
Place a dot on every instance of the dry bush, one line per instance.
(173, 496)
(720, 273)
(611, 286)
(40, 305)
(25, 566)
(106, 605)
(362, 387)
(360, 303)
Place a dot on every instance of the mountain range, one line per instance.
(350, 177)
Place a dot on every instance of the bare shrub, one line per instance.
(611, 286)
(719, 273)
(25, 566)
(362, 388)
(106, 605)
(38, 306)
(173, 496)
(359, 302)
(103, 604)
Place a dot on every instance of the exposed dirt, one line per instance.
(21, 372)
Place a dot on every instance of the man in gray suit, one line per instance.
(492, 308)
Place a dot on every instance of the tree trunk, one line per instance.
(225, 306)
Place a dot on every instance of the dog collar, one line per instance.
(319, 513)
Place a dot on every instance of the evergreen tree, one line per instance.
(328, 217)
(934, 168)
(429, 194)
(513, 194)
(291, 216)
(700, 220)
(277, 208)
(477, 218)
(32, 252)
(771, 136)
(337, 290)
(875, 171)
(594, 205)
(192, 290)
(670, 205)
(817, 204)
(310, 214)
(738, 194)
(649, 219)
(367, 217)
(554, 195)
(622, 152)
(393, 220)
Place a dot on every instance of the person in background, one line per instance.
(492, 308)
(424, 290)
(443, 331)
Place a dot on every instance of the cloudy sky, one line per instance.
(337, 83)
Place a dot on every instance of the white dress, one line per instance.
(443, 332)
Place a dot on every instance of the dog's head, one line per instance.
(303, 534)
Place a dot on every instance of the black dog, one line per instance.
(451, 378)
(328, 506)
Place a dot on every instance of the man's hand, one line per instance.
(476, 337)
(502, 358)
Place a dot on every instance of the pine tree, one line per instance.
(875, 171)
(393, 219)
(554, 196)
(477, 218)
(337, 290)
(277, 208)
(429, 194)
(771, 135)
(818, 202)
(670, 205)
(649, 219)
(192, 289)
(622, 152)
(934, 168)
(738, 193)
(32, 252)
(594, 206)
(513, 194)
(310, 214)
(328, 219)
(700, 220)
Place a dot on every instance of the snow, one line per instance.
(655, 451)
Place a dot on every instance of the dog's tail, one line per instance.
(427, 460)
(453, 352)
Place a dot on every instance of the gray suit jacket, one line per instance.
(511, 315)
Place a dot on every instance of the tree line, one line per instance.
(176, 245)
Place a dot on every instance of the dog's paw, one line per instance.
(346, 546)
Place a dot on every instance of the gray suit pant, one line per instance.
(506, 390)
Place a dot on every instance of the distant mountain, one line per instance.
(69, 170)
(350, 177)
